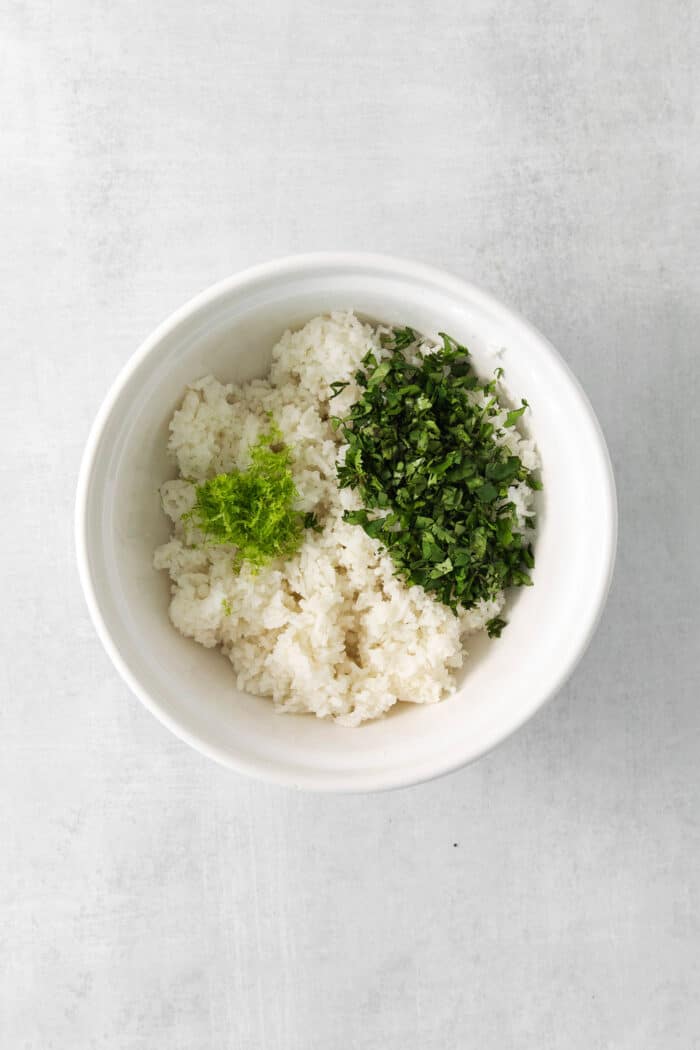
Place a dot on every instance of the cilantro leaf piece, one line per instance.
(495, 626)
(515, 414)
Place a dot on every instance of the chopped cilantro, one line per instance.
(495, 626)
(398, 338)
(311, 522)
(421, 445)
(514, 416)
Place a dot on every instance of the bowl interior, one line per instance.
(230, 331)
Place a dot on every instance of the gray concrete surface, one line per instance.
(546, 897)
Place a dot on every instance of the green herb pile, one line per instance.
(253, 509)
(433, 481)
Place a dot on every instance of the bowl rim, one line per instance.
(322, 781)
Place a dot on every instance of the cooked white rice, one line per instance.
(331, 630)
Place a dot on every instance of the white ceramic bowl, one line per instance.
(229, 330)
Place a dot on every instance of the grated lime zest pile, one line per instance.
(253, 510)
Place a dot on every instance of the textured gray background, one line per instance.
(546, 897)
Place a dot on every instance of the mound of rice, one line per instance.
(331, 630)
